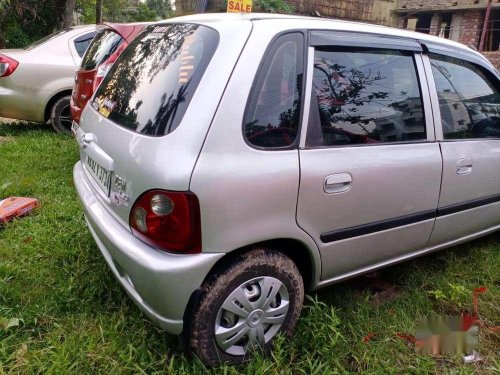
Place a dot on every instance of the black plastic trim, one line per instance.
(454, 208)
(377, 226)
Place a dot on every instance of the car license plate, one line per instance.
(101, 175)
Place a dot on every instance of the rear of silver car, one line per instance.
(130, 147)
(43, 71)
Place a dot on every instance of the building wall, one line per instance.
(442, 4)
(494, 58)
(466, 22)
(374, 11)
(470, 28)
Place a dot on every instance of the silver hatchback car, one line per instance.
(231, 162)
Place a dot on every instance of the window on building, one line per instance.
(492, 41)
(469, 100)
(423, 24)
(445, 25)
(365, 96)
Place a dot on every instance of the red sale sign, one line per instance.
(239, 6)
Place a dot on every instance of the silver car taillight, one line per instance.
(168, 220)
(7, 66)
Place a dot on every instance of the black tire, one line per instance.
(60, 115)
(258, 264)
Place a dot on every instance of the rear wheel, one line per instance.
(244, 307)
(60, 115)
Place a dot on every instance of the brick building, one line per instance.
(374, 11)
(459, 20)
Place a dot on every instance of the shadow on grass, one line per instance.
(21, 128)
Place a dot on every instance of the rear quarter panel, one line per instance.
(246, 195)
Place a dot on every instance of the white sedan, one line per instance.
(36, 82)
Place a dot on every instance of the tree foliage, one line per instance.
(25, 21)
(273, 6)
(162, 8)
(121, 11)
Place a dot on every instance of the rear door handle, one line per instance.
(464, 166)
(337, 183)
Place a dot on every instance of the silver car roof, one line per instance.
(217, 20)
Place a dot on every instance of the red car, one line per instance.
(108, 44)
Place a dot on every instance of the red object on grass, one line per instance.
(409, 338)
(13, 207)
(475, 300)
(368, 338)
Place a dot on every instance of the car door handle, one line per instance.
(337, 183)
(464, 166)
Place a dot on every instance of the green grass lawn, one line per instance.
(75, 318)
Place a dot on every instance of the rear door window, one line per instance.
(469, 99)
(102, 47)
(151, 84)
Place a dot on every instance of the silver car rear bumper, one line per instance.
(159, 283)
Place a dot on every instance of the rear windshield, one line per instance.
(105, 43)
(150, 86)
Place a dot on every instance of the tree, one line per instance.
(162, 8)
(68, 8)
(3, 12)
(87, 10)
(274, 6)
(144, 13)
(24, 21)
(98, 11)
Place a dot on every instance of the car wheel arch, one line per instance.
(299, 252)
(52, 101)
